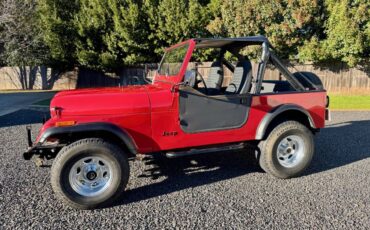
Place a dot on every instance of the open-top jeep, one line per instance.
(92, 132)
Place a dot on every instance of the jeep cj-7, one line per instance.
(92, 132)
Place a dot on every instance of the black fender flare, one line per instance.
(266, 120)
(122, 134)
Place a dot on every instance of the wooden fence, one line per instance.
(335, 77)
(36, 77)
(128, 76)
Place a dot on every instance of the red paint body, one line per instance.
(147, 111)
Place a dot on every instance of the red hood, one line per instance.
(103, 101)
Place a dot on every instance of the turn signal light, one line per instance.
(64, 123)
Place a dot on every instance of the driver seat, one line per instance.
(215, 78)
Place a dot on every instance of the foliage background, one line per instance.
(108, 34)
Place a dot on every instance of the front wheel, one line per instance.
(89, 173)
(287, 151)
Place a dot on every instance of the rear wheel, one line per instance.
(287, 151)
(89, 173)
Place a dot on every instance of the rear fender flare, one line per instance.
(122, 134)
(266, 120)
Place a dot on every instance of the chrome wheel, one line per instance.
(290, 151)
(90, 176)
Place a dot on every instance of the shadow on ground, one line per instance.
(23, 117)
(341, 144)
(187, 172)
(336, 146)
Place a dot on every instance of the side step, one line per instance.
(205, 150)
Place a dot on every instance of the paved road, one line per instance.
(216, 191)
(11, 102)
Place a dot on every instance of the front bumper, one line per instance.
(43, 150)
(30, 151)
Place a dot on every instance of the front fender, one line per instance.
(122, 134)
(39, 148)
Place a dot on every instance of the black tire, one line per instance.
(268, 150)
(114, 158)
(309, 78)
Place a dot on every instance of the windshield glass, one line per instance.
(172, 61)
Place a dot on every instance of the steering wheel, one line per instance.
(197, 81)
(236, 89)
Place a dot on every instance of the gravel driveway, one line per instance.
(214, 191)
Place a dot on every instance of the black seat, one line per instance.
(215, 78)
(241, 79)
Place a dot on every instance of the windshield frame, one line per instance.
(174, 79)
(165, 55)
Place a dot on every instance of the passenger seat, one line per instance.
(241, 80)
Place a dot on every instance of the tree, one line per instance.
(20, 35)
(286, 23)
(112, 33)
(21, 42)
(59, 31)
(133, 29)
(345, 35)
(109, 34)
(102, 35)
(95, 29)
(172, 21)
(2, 48)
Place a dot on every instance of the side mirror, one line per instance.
(190, 78)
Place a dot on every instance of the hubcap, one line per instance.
(90, 176)
(290, 151)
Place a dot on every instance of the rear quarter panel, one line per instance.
(313, 102)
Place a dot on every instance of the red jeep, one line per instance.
(92, 132)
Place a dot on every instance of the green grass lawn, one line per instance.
(349, 102)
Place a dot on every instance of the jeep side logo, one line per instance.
(166, 133)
